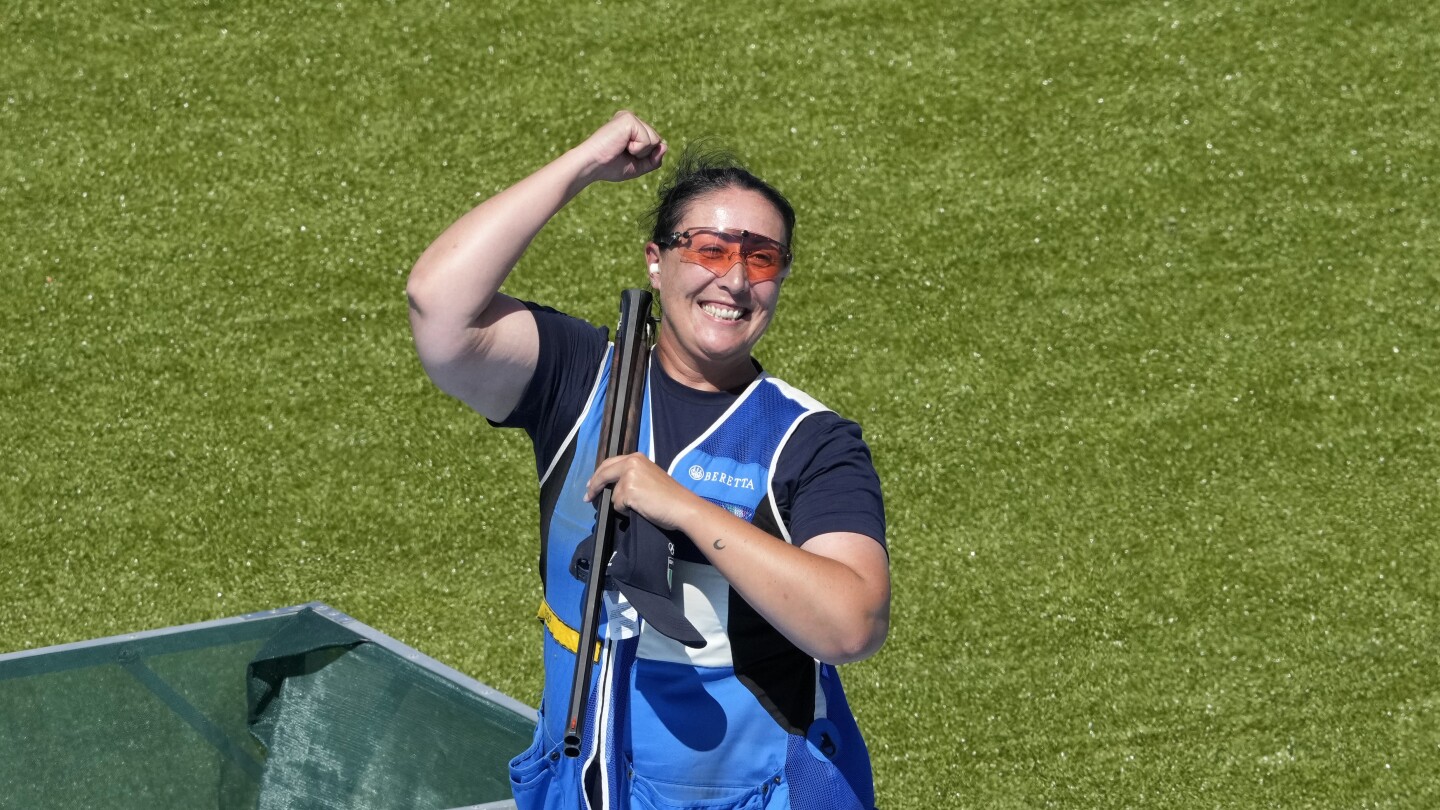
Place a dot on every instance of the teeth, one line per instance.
(725, 313)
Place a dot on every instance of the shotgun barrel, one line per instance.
(619, 428)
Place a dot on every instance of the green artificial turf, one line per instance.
(1135, 301)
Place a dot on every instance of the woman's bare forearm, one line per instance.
(832, 601)
(457, 276)
(474, 343)
(831, 597)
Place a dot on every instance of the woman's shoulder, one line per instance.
(818, 421)
(825, 480)
(570, 353)
(562, 330)
(821, 438)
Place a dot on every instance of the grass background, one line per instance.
(1136, 302)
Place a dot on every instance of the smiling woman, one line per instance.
(763, 504)
(716, 307)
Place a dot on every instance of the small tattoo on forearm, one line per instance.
(719, 544)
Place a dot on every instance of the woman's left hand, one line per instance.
(644, 488)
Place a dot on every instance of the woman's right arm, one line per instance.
(480, 346)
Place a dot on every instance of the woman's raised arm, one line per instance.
(476, 344)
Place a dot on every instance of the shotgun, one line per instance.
(620, 424)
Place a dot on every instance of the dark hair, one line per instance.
(704, 168)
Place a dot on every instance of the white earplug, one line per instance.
(655, 269)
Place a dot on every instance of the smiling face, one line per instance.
(711, 323)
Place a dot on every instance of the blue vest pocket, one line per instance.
(654, 794)
(542, 779)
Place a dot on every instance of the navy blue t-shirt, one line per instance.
(825, 481)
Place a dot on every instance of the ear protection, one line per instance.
(655, 269)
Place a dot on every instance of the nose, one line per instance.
(735, 278)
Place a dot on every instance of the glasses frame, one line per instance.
(746, 238)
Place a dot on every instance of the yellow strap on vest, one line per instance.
(568, 636)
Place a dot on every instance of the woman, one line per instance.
(774, 516)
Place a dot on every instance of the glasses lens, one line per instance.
(717, 252)
(764, 257)
(712, 252)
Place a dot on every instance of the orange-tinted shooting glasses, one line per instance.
(717, 250)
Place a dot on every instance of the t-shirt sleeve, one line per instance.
(828, 482)
(569, 360)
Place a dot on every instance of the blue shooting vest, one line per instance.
(746, 722)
